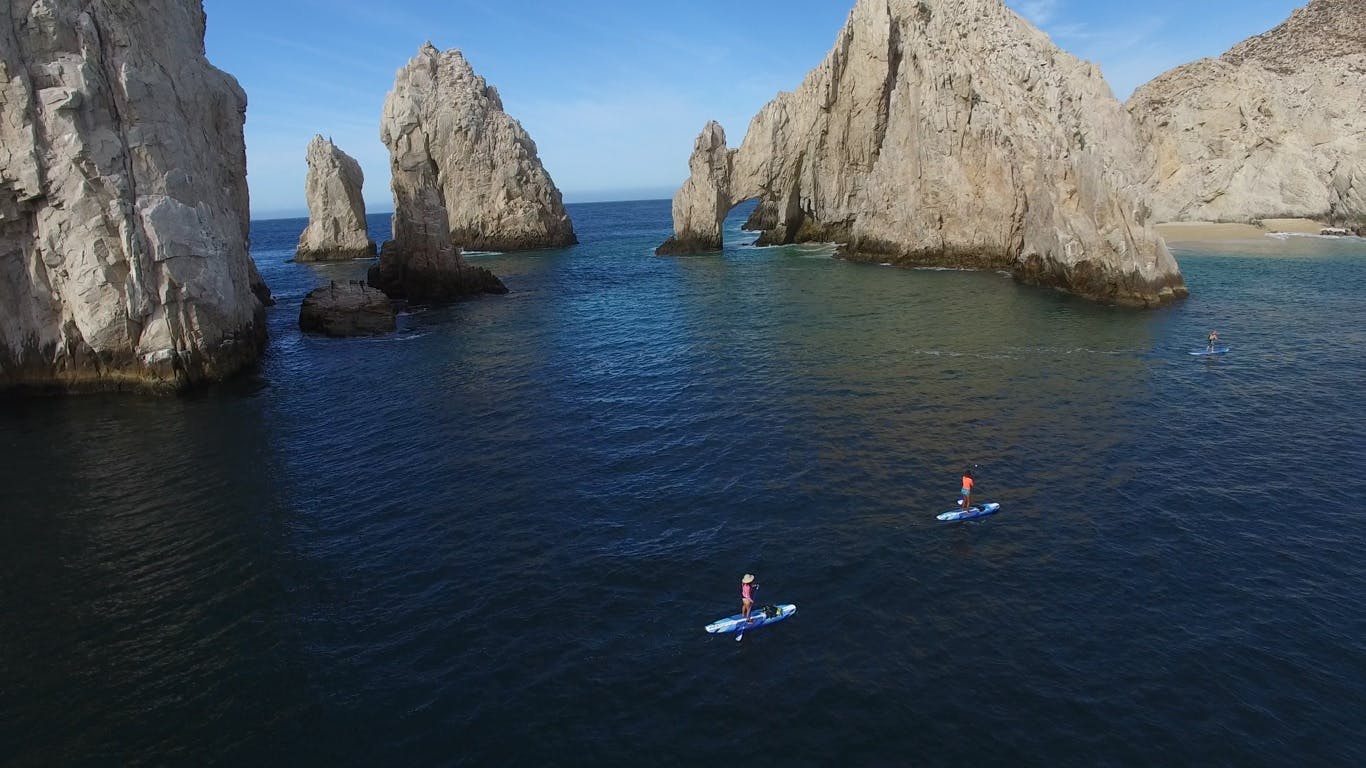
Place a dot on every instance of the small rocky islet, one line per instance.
(346, 309)
(945, 132)
(336, 209)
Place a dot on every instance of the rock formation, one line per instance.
(1271, 129)
(701, 205)
(465, 175)
(336, 211)
(123, 200)
(945, 132)
(347, 309)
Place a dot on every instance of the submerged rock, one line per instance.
(945, 132)
(123, 201)
(336, 210)
(1271, 129)
(347, 309)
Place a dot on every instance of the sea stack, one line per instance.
(946, 132)
(123, 201)
(1271, 129)
(336, 211)
(702, 204)
(465, 176)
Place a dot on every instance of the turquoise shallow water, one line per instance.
(494, 538)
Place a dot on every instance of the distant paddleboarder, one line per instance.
(1213, 339)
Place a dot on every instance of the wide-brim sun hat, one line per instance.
(748, 579)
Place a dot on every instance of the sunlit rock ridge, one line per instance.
(123, 200)
(1276, 127)
(944, 132)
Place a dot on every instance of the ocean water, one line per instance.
(494, 537)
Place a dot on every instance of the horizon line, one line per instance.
(275, 215)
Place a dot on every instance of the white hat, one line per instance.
(748, 579)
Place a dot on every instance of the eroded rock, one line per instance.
(123, 201)
(465, 175)
(336, 209)
(347, 309)
(947, 132)
(1271, 129)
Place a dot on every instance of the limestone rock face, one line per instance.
(464, 175)
(950, 132)
(123, 200)
(336, 210)
(476, 162)
(1271, 129)
(702, 204)
(347, 309)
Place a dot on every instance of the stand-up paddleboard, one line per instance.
(758, 617)
(971, 514)
(1208, 352)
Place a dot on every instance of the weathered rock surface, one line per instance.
(347, 309)
(1272, 129)
(481, 166)
(947, 132)
(336, 210)
(430, 276)
(123, 200)
(701, 205)
(464, 175)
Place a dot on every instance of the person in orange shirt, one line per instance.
(966, 501)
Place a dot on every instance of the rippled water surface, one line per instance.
(494, 538)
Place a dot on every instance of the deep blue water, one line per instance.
(494, 538)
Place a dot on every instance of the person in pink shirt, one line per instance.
(747, 587)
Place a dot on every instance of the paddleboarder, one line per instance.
(747, 587)
(1213, 339)
(966, 501)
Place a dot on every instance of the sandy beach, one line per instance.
(1205, 232)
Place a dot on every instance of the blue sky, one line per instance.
(612, 91)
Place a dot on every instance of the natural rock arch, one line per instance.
(944, 132)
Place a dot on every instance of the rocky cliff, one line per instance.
(1273, 128)
(465, 176)
(336, 211)
(484, 166)
(945, 132)
(123, 200)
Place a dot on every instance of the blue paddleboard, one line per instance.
(758, 617)
(971, 514)
(1208, 352)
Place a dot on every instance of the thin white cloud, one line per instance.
(1039, 12)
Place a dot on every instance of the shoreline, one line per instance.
(1177, 232)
